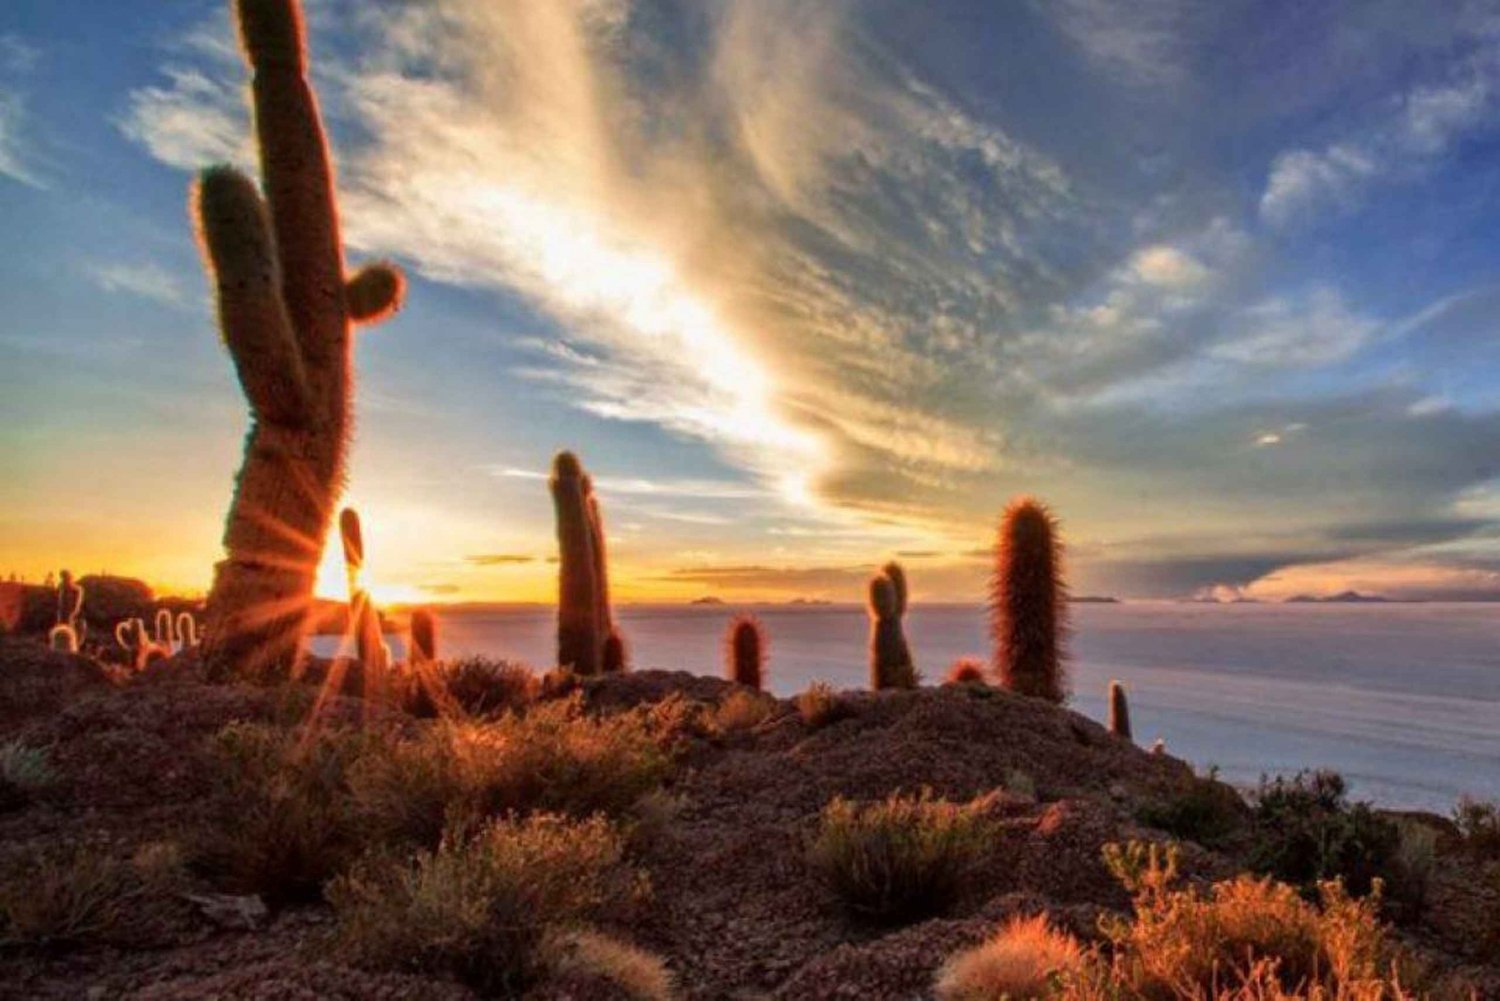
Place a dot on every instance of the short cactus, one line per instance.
(584, 622)
(136, 641)
(745, 651)
(1028, 603)
(285, 308)
(187, 630)
(890, 657)
(62, 638)
(965, 671)
(1119, 711)
(162, 633)
(352, 538)
(422, 644)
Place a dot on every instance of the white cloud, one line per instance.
(192, 122)
(1302, 180)
(147, 281)
(16, 160)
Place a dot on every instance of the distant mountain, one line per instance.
(1342, 598)
(1095, 599)
(809, 601)
(707, 599)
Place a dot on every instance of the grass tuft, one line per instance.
(820, 705)
(1026, 959)
(92, 898)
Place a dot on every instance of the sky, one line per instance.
(808, 286)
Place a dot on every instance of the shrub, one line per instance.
(901, 859)
(1205, 810)
(1409, 878)
(1306, 831)
(282, 820)
(743, 709)
(552, 759)
(1026, 959)
(92, 898)
(476, 686)
(480, 908)
(24, 772)
(1478, 825)
(637, 973)
(1247, 938)
(820, 705)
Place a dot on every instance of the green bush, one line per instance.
(1205, 810)
(901, 859)
(480, 908)
(1478, 825)
(1307, 831)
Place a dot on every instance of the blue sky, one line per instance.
(807, 286)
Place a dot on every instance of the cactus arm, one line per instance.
(298, 176)
(241, 256)
(374, 293)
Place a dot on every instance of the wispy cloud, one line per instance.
(145, 280)
(17, 160)
(500, 559)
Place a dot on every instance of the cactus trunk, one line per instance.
(890, 656)
(1028, 603)
(283, 303)
(588, 641)
(1119, 711)
(746, 648)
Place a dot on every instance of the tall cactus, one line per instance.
(890, 657)
(1028, 602)
(587, 639)
(70, 603)
(285, 310)
(1119, 711)
(422, 645)
(745, 650)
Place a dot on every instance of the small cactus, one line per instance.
(1119, 711)
(745, 650)
(286, 308)
(69, 602)
(966, 671)
(890, 657)
(369, 640)
(187, 630)
(584, 623)
(62, 638)
(162, 633)
(352, 538)
(421, 648)
(136, 641)
(1028, 603)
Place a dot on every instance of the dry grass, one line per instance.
(474, 686)
(1249, 938)
(1026, 959)
(24, 773)
(92, 898)
(639, 974)
(901, 859)
(480, 908)
(820, 705)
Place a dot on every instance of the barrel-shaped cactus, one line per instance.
(745, 651)
(965, 671)
(1028, 603)
(1119, 711)
(285, 307)
(585, 624)
(890, 656)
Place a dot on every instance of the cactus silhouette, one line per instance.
(890, 657)
(422, 647)
(615, 656)
(584, 623)
(69, 602)
(352, 538)
(1028, 602)
(285, 308)
(1119, 711)
(745, 651)
(163, 631)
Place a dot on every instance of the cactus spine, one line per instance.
(1119, 711)
(1028, 602)
(285, 310)
(745, 646)
(890, 657)
(586, 632)
(421, 648)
